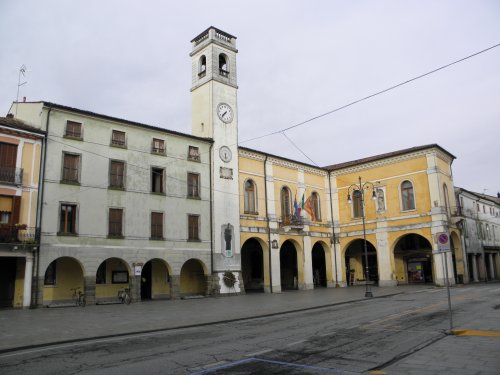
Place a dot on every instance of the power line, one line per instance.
(370, 96)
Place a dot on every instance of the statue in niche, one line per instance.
(228, 236)
(380, 200)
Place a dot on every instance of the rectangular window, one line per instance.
(117, 174)
(115, 222)
(194, 153)
(50, 274)
(158, 146)
(67, 223)
(156, 225)
(118, 138)
(71, 165)
(193, 185)
(157, 180)
(73, 129)
(193, 227)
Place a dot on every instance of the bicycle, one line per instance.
(78, 297)
(124, 296)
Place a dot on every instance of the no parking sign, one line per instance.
(443, 240)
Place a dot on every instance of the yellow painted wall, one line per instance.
(27, 163)
(19, 284)
(192, 278)
(69, 275)
(160, 285)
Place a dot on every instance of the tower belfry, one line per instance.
(215, 115)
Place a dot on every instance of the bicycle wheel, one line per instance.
(83, 301)
(127, 299)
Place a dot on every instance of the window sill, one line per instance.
(159, 153)
(73, 138)
(119, 188)
(118, 145)
(251, 213)
(161, 194)
(65, 234)
(196, 160)
(410, 210)
(196, 198)
(115, 237)
(66, 182)
(193, 240)
(156, 239)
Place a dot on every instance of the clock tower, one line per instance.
(215, 115)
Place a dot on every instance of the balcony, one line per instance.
(458, 211)
(289, 222)
(18, 234)
(11, 175)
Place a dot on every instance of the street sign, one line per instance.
(443, 240)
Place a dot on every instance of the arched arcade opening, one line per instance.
(318, 265)
(61, 278)
(155, 280)
(193, 279)
(355, 262)
(252, 266)
(413, 260)
(288, 266)
(112, 275)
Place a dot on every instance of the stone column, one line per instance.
(28, 274)
(89, 287)
(492, 267)
(308, 276)
(474, 268)
(175, 286)
(275, 265)
(135, 288)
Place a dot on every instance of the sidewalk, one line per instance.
(31, 328)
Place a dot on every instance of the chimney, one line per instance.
(24, 99)
(11, 115)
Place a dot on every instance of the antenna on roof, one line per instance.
(22, 70)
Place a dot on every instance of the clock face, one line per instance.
(225, 112)
(225, 154)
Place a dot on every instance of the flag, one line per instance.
(309, 208)
(301, 206)
(296, 206)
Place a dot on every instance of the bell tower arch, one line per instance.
(215, 115)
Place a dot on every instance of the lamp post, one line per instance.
(360, 187)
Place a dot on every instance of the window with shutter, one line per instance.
(193, 185)
(158, 146)
(67, 219)
(193, 230)
(117, 174)
(71, 164)
(118, 138)
(115, 222)
(73, 129)
(156, 225)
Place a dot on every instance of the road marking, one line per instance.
(258, 353)
(475, 332)
(296, 343)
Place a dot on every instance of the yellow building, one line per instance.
(20, 150)
(408, 197)
(408, 193)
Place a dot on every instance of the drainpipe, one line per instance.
(268, 227)
(211, 214)
(333, 229)
(40, 197)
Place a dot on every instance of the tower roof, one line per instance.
(205, 32)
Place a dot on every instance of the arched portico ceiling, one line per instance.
(357, 246)
(412, 243)
(118, 261)
(192, 261)
(162, 261)
(67, 258)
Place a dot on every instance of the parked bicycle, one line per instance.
(124, 296)
(79, 297)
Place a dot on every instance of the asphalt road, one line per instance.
(374, 334)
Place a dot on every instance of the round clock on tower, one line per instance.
(215, 115)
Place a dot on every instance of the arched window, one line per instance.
(316, 206)
(249, 197)
(380, 199)
(223, 69)
(286, 208)
(357, 204)
(407, 196)
(488, 234)
(202, 68)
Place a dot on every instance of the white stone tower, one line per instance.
(215, 115)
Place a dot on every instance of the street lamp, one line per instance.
(360, 187)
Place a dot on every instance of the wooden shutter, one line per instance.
(115, 221)
(8, 155)
(16, 210)
(156, 225)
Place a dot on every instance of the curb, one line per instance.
(124, 334)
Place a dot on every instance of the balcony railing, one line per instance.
(458, 211)
(11, 175)
(19, 234)
(292, 221)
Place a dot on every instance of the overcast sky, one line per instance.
(296, 60)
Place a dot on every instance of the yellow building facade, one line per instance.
(408, 196)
